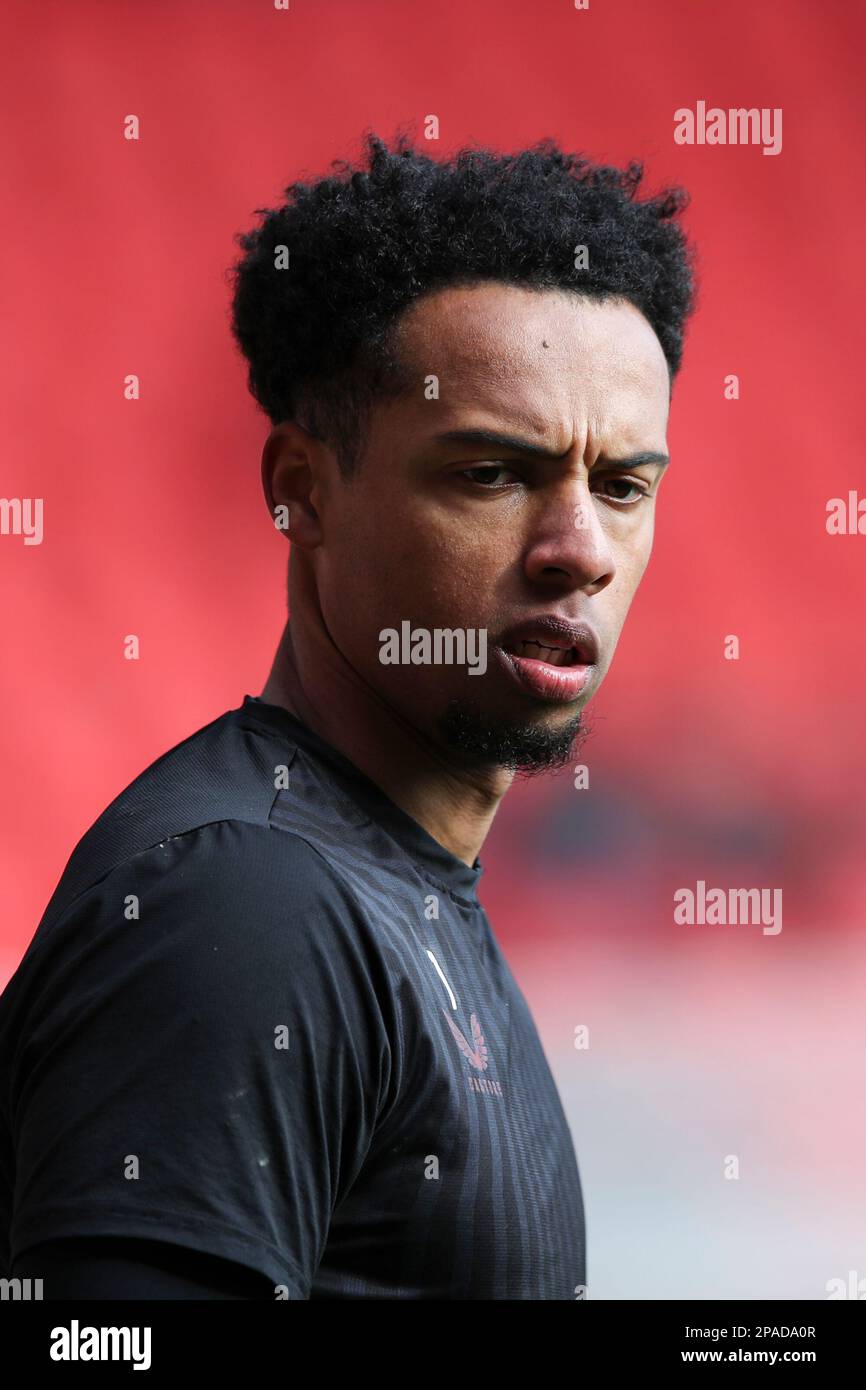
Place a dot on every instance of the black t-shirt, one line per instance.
(265, 1017)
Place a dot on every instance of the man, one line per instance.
(264, 1041)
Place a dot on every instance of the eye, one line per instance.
(631, 485)
(486, 469)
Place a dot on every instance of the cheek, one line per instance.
(630, 571)
(639, 563)
(637, 549)
(383, 574)
(427, 556)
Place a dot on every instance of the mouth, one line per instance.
(550, 659)
(551, 656)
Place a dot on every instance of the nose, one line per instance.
(569, 547)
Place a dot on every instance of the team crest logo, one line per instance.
(476, 1054)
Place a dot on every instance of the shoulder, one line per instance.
(226, 773)
(229, 915)
(213, 942)
(263, 889)
(262, 895)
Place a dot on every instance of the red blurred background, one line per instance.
(705, 1041)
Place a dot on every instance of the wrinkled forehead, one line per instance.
(544, 357)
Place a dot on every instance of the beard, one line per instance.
(525, 749)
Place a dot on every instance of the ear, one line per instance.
(291, 464)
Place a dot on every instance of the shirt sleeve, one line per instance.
(208, 1046)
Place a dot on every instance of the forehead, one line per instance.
(547, 357)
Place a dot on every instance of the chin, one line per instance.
(545, 743)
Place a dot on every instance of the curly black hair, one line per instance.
(324, 277)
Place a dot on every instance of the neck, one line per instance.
(310, 679)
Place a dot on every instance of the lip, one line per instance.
(542, 678)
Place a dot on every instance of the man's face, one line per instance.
(444, 533)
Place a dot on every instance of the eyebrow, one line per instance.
(514, 444)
